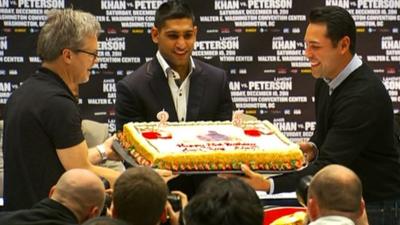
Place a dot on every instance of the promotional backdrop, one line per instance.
(258, 42)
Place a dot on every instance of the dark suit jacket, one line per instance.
(145, 92)
(355, 129)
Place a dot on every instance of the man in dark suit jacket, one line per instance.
(354, 118)
(145, 92)
(186, 88)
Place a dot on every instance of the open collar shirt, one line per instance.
(179, 91)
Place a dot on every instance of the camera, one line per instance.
(302, 190)
(175, 201)
(108, 197)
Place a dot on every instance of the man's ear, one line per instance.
(113, 212)
(344, 44)
(195, 32)
(362, 208)
(362, 215)
(94, 212)
(163, 218)
(66, 55)
(312, 208)
(155, 34)
(51, 192)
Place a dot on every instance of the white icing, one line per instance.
(216, 137)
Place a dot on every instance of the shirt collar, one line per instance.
(166, 68)
(353, 65)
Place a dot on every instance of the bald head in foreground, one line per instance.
(78, 196)
(81, 191)
(335, 194)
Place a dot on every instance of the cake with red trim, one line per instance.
(190, 146)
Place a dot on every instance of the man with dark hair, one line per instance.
(354, 118)
(222, 201)
(78, 196)
(139, 196)
(335, 195)
(186, 88)
(163, 83)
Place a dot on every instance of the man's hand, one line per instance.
(167, 175)
(255, 180)
(111, 154)
(309, 150)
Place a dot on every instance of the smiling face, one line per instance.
(327, 60)
(175, 40)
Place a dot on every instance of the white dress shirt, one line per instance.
(179, 91)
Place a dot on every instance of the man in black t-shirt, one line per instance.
(42, 123)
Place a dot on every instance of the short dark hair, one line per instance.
(139, 196)
(173, 9)
(339, 24)
(224, 202)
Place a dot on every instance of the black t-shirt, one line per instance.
(41, 116)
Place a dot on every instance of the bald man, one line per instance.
(335, 197)
(78, 196)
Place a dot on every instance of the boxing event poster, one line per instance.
(258, 42)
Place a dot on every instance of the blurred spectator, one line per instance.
(140, 197)
(222, 201)
(104, 220)
(78, 196)
(335, 197)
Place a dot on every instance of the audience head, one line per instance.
(224, 202)
(139, 196)
(339, 24)
(335, 190)
(81, 191)
(104, 220)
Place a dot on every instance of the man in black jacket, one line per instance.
(354, 118)
(78, 196)
(175, 82)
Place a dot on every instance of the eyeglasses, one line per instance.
(94, 54)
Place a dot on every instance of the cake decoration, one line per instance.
(237, 118)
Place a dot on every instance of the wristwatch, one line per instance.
(102, 152)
